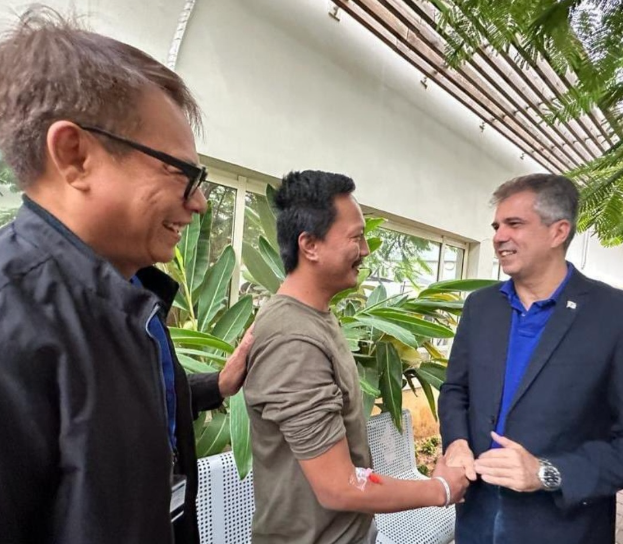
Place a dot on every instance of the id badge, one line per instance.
(178, 496)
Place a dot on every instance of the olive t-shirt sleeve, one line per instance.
(292, 385)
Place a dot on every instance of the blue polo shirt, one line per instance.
(156, 330)
(526, 329)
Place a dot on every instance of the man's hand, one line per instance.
(231, 377)
(510, 466)
(455, 477)
(458, 454)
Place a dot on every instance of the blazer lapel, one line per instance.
(569, 303)
(499, 327)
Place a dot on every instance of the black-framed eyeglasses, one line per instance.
(196, 174)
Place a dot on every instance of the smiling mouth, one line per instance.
(174, 227)
(506, 252)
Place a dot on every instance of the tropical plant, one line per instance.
(582, 37)
(393, 338)
(204, 330)
(7, 180)
(6, 175)
(7, 215)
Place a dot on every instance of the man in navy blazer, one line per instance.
(532, 407)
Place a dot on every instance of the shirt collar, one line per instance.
(508, 288)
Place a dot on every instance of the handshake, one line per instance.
(510, 466)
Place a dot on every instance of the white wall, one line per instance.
(284, 86)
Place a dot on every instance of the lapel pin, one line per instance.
(571, 304)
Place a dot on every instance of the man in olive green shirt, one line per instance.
(302, 390)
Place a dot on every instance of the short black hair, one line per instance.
(305, 203)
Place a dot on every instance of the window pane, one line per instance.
(495, 272)
(452, 263)
(223, 201)
(403, 263)
(498, 273)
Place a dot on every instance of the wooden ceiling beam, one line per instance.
(540, 153)
(460, 80)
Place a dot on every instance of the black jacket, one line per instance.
(84, 452)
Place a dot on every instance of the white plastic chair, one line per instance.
(225, 505)
(393, 454)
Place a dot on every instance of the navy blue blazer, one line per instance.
(568, 408)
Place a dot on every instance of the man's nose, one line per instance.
(197, 203)
(364, 249)
(500, 235)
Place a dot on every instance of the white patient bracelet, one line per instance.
(446, 488)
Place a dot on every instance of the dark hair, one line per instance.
(54, 70)
(305, 203)
(556, 198)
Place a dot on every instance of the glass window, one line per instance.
(404, 263)
(453, 258)
(223, 201)
(498, 273)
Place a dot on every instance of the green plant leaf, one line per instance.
(215, 436)
(354, 335)
(369, 382)
(390, 383)
(434, 352)
(374, 244)
(372, 223)
(369, 389)
(415, 325)
(418, 305)
(202, 253)
(272, 258)
(377, 296)
(268, 221)
(188, 244)
(432, 373)
(193, 366)
(456, 285)
(231, 324)
(188, 337)
(240, 434)
(259, 268)
(428, 392)
(213, 295)
(212, 361)
(399, 332)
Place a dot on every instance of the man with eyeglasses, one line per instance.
(95, 411)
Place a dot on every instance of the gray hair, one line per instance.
(52, 70)
(557, 198)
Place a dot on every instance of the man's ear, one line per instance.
(68, 150)
(308, 246)
(560, 231)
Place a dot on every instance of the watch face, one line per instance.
(549, 476)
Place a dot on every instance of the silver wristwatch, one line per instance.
(549, 475)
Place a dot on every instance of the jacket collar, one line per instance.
(50, 235)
